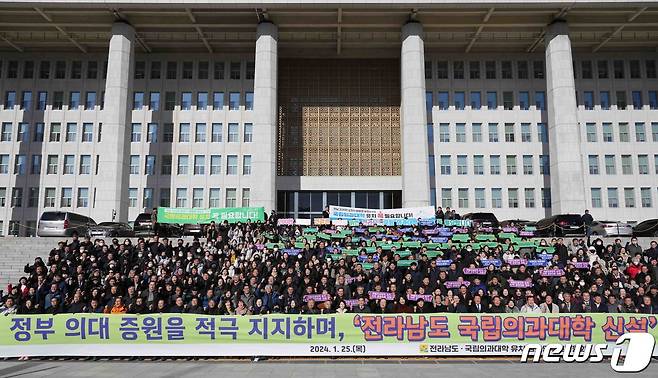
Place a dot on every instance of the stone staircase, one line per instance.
(15, 252)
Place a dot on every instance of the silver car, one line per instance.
(611, 228)
(63, 223)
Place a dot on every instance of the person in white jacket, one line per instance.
(530, 307)
(548, 307)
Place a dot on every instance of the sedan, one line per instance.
(111, 229)
(646, 228)
(611, 228)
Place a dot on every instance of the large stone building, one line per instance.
(527, 108)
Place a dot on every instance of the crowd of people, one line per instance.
(230, 271)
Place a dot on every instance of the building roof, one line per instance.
(339, 27)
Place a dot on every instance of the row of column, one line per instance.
(567, 185)
(111, 192)
(567, 182)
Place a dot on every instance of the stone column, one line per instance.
(567, 182)
(111, 184)
(413, 118)
(265, 117)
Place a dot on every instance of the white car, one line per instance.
(611, 228)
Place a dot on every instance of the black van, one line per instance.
(561, 225)
(482, 220)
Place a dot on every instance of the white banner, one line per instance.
(402, 216)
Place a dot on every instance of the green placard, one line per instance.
(403, 254)
(485, 237)
(433, 254)
(323, 236)
(463, 238)
(405, 263)
(207, 215)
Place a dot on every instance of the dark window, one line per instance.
(202, 73)
(235, 70)
(508, 100)
(156, 70)
(521, 69)
(458, 70)
(60, 69)
(635, 69)
(506, 69)
(442, 70)
(474, 70)
(188, 68)
(140, 70)
(218, 71)
(621, 100)
(586, 69)
(12, 69)
(28, 70)
(44, 70)
(172, 68)
(92, 70)
(602, 69)
(76, 69)
(170, 100)
(618, 67)
(251, 70)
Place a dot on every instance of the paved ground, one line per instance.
(311, 369)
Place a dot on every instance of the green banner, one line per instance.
(303, 334)
(207, 215)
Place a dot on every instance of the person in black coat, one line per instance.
(647, 307)
(477, 307)
(422, 307)
(497, 306)
(598, 305)
(562, 251)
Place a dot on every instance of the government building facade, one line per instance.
(526, 109)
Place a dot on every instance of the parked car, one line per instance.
(647, 228)
(193, 229)
(482, 219)
(111, 229)
(144, 227)
(63, 223)
(611, 228)
(561, 225)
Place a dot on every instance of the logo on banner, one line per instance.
(636, 358)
